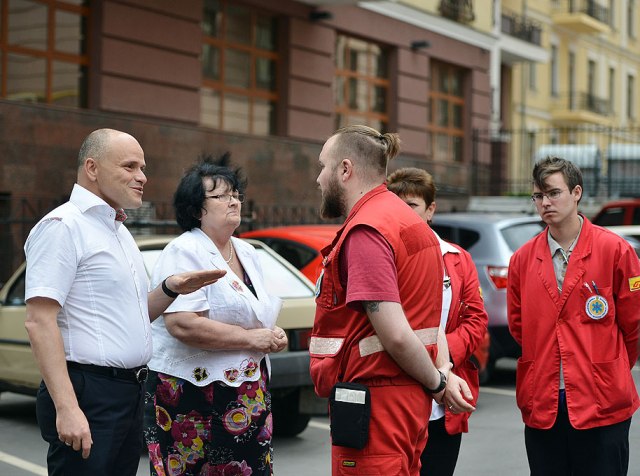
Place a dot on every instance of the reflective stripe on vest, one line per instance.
(325, 345)
(368, 345)
(371, 345)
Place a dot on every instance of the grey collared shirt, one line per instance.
(560, 259)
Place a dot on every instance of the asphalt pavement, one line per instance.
(494, 445)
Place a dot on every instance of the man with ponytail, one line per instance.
(379, 300)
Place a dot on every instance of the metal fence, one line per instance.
(500, 165)
(608, 157)
(19, 214)
(17, 217)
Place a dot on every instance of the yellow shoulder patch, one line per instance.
(634, 283)
(480, 291)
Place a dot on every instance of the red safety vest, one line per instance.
(344, 346)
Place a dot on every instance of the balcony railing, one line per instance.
(591, 103)
(591, 8)
(588, 102)
(521, 27)
(457, 10)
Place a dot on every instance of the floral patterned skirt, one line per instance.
(208, 431)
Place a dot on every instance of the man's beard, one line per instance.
(333, 204)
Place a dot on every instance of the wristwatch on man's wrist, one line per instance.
(167, 291)
(439, 388)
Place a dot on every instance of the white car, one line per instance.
(290, 385)
(629, 232)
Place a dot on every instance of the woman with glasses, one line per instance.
(208, 410)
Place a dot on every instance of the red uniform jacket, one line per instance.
(466, 326)
(592, 326)
(343, 343)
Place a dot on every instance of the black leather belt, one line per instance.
(137, 374)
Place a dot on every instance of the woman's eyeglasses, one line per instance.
(226, 197)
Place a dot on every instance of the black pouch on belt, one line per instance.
(350, 410)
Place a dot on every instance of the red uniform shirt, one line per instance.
(367, 270)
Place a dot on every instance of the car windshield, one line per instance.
(278, 279)
(610, 217)
(518, 234)
(297, 254)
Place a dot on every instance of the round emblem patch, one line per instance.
(597, 307)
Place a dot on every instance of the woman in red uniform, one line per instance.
(463, 318)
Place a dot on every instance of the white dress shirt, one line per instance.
(79, 256)
(437, 410)
(228, 300)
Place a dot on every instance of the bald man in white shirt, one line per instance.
(89, 313)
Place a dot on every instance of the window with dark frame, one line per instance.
(612, 14)
(631, 97)
(446, 112)
(631, 20)
(361, 84)
(554, 70)
(239, 68)
(43, 51)
(533, 78)
(612, 90)
(530, 145)
(591, 79)
(571, 79)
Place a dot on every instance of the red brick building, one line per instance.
(268, 81)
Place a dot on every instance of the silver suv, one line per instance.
(491, 238)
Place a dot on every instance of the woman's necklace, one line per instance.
(230, 253)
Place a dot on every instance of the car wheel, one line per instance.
(287, 419)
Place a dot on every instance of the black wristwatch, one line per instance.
(167, 291)
(439, 388)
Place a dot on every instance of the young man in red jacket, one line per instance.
(464, 320)
(573, 298)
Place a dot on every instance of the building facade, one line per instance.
(267, 81)
(582, 103)
(477, 90)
